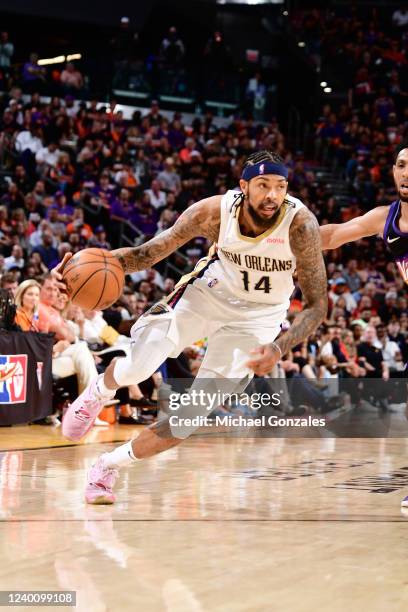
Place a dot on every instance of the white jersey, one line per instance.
(256, 269)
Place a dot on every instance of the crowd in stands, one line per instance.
(77, 177)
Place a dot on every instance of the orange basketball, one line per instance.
(94, 279)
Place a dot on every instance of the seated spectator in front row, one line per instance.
(9, 282)
(36, 312)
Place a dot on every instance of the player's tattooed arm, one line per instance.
(200, 219)
(306, 245)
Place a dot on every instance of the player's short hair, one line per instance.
(263, 156)
(403, 145)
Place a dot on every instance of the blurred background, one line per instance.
(114, 119)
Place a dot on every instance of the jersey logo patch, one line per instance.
(275, 240)
(390, 240)
(212, 282)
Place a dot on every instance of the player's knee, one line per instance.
(151, 347)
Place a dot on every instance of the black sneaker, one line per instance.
(128, 420)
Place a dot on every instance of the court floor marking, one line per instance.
(35, 448)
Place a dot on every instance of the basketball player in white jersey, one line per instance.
(237, 298)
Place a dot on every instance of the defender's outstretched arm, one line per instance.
(334, 235)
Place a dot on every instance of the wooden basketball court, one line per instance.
(218, 523)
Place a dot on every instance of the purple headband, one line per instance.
(264, 168)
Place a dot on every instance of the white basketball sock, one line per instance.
(121, 456)
(102, 390)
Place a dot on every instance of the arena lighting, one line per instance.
(51, 60)
(327, 90)
(323, 84)
(301, 44)
(285, 13)
(249, 2)
(59, 59)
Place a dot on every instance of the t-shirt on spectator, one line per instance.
(157, 197)
(48, 155)
(373, 356)
(145, 220)
(16, 259)
(122, 210)
(27, 140)
(168, 178)
(49, 254)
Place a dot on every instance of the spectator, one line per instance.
(78, 225)
(256, 96)
(27, 299)
(390, 350)
(352, 277)
(122, 209)
(8, 281)
(168, 178)
(49, 254)
(153, 116)
(99, 239)
(172, 49)
(157, 197)
(16, 259)
(34, 76)
(372, 357)
(47, 156)
(340, 288)
(65, 210)
(6, 53)
(69, 357)
(29, 140)
(71, 79)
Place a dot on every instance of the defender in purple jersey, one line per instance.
(390, 222)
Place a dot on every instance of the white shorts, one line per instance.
(203, 307)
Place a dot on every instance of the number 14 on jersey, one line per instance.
(264, 283)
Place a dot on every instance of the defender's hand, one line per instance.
(56, 272)
(265, 359)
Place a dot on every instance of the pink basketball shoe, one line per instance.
(101, 480)
(81, 414)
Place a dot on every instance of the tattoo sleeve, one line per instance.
(306, 245)
(200, 219)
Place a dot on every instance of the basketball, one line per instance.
(94, 279)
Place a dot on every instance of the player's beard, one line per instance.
(261, 221)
